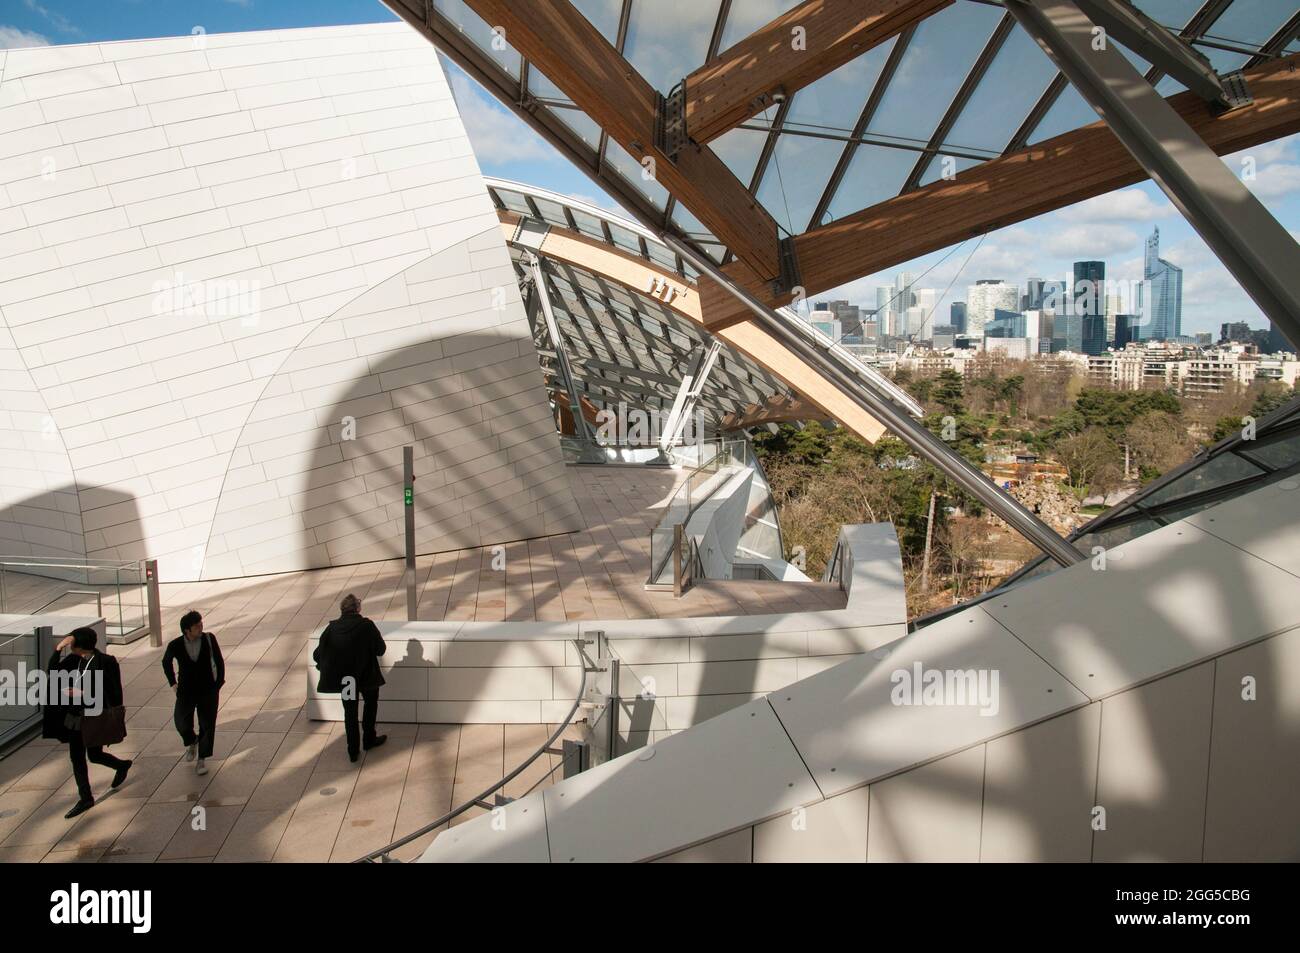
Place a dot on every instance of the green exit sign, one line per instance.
(410, 496)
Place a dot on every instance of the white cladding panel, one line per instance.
(237, 274)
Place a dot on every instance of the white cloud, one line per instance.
(1124, 207)
(498, 137)
(1275, 181)
(56, 19)
(12, 38)
(1091, 241)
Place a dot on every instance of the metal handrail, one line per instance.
(99, 600)
(381, 855)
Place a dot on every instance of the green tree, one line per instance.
(949, 391)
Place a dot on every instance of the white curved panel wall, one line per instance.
(237, 274)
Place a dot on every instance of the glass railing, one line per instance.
(20, 654)
(713, 457)
(117, 590)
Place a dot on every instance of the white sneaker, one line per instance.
(191, 751)
(200, 768)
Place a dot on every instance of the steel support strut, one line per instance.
(1253, 246)
(580, 423)
(952, 464)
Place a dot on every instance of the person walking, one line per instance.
(91, 689)
(196, 671)
(348, 661)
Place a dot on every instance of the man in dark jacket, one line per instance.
(348, 661)
(202, 672)
(93, 682)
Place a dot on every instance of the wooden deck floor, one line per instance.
(280, 787)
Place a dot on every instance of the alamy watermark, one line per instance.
(935, 687)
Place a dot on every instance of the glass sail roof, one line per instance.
(961, 87)
(624, 346)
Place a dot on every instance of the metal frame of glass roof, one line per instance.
(930, 87)
(624, 345)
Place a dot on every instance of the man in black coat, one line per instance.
(202, 672)
(93, 682)
(348, 661)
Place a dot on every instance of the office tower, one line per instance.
(957, 316)
(1032, 300)
(1124, 326)
(904, 296)
(849, 316)
(1093, 330)
(1162, 295)
(984, 298)
(1113, 308)
(1277, 342)
(1005, 324)
(1237, 332)
(927, 300)
(885, 309)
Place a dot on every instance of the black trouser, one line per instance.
(368, 714)
(80, 754)
(206, 706)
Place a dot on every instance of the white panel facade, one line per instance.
(237, 274)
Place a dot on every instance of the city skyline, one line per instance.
(1154, 300)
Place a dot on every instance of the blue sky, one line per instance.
(1112, 227)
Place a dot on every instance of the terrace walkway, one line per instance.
(280, 787)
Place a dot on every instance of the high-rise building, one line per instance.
(1277, 342)
(984, 298)
(1234, 331)
(1161, 295)
(885, 310)
(957, 316)
(1032, 300)
(1005, 324)
(1124, 327)
(1087, 298)
(927, 300)
(1093, 334)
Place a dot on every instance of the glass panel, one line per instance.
(542, 87)
(553, 212)
(1014, 82)
(957, 164)
(1070, 111)
(1281, 452)
(834, 103)
(692, 226)
(739, 150)
(1251, 22)
(666, 48)
(941, 53)
(1221, 470)
(746, 16)
(1174, 14)
(796, 177)
(876, 173)
(1114, 535)
(515, 202)
(473, 26)
(603, 15)
(631, 170)
(662, 256)
(628, 241)
(589, 225)
(580, 123)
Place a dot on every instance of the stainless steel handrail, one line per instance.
(381, 855)
(99, 600)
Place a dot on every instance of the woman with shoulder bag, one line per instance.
(88, 715)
